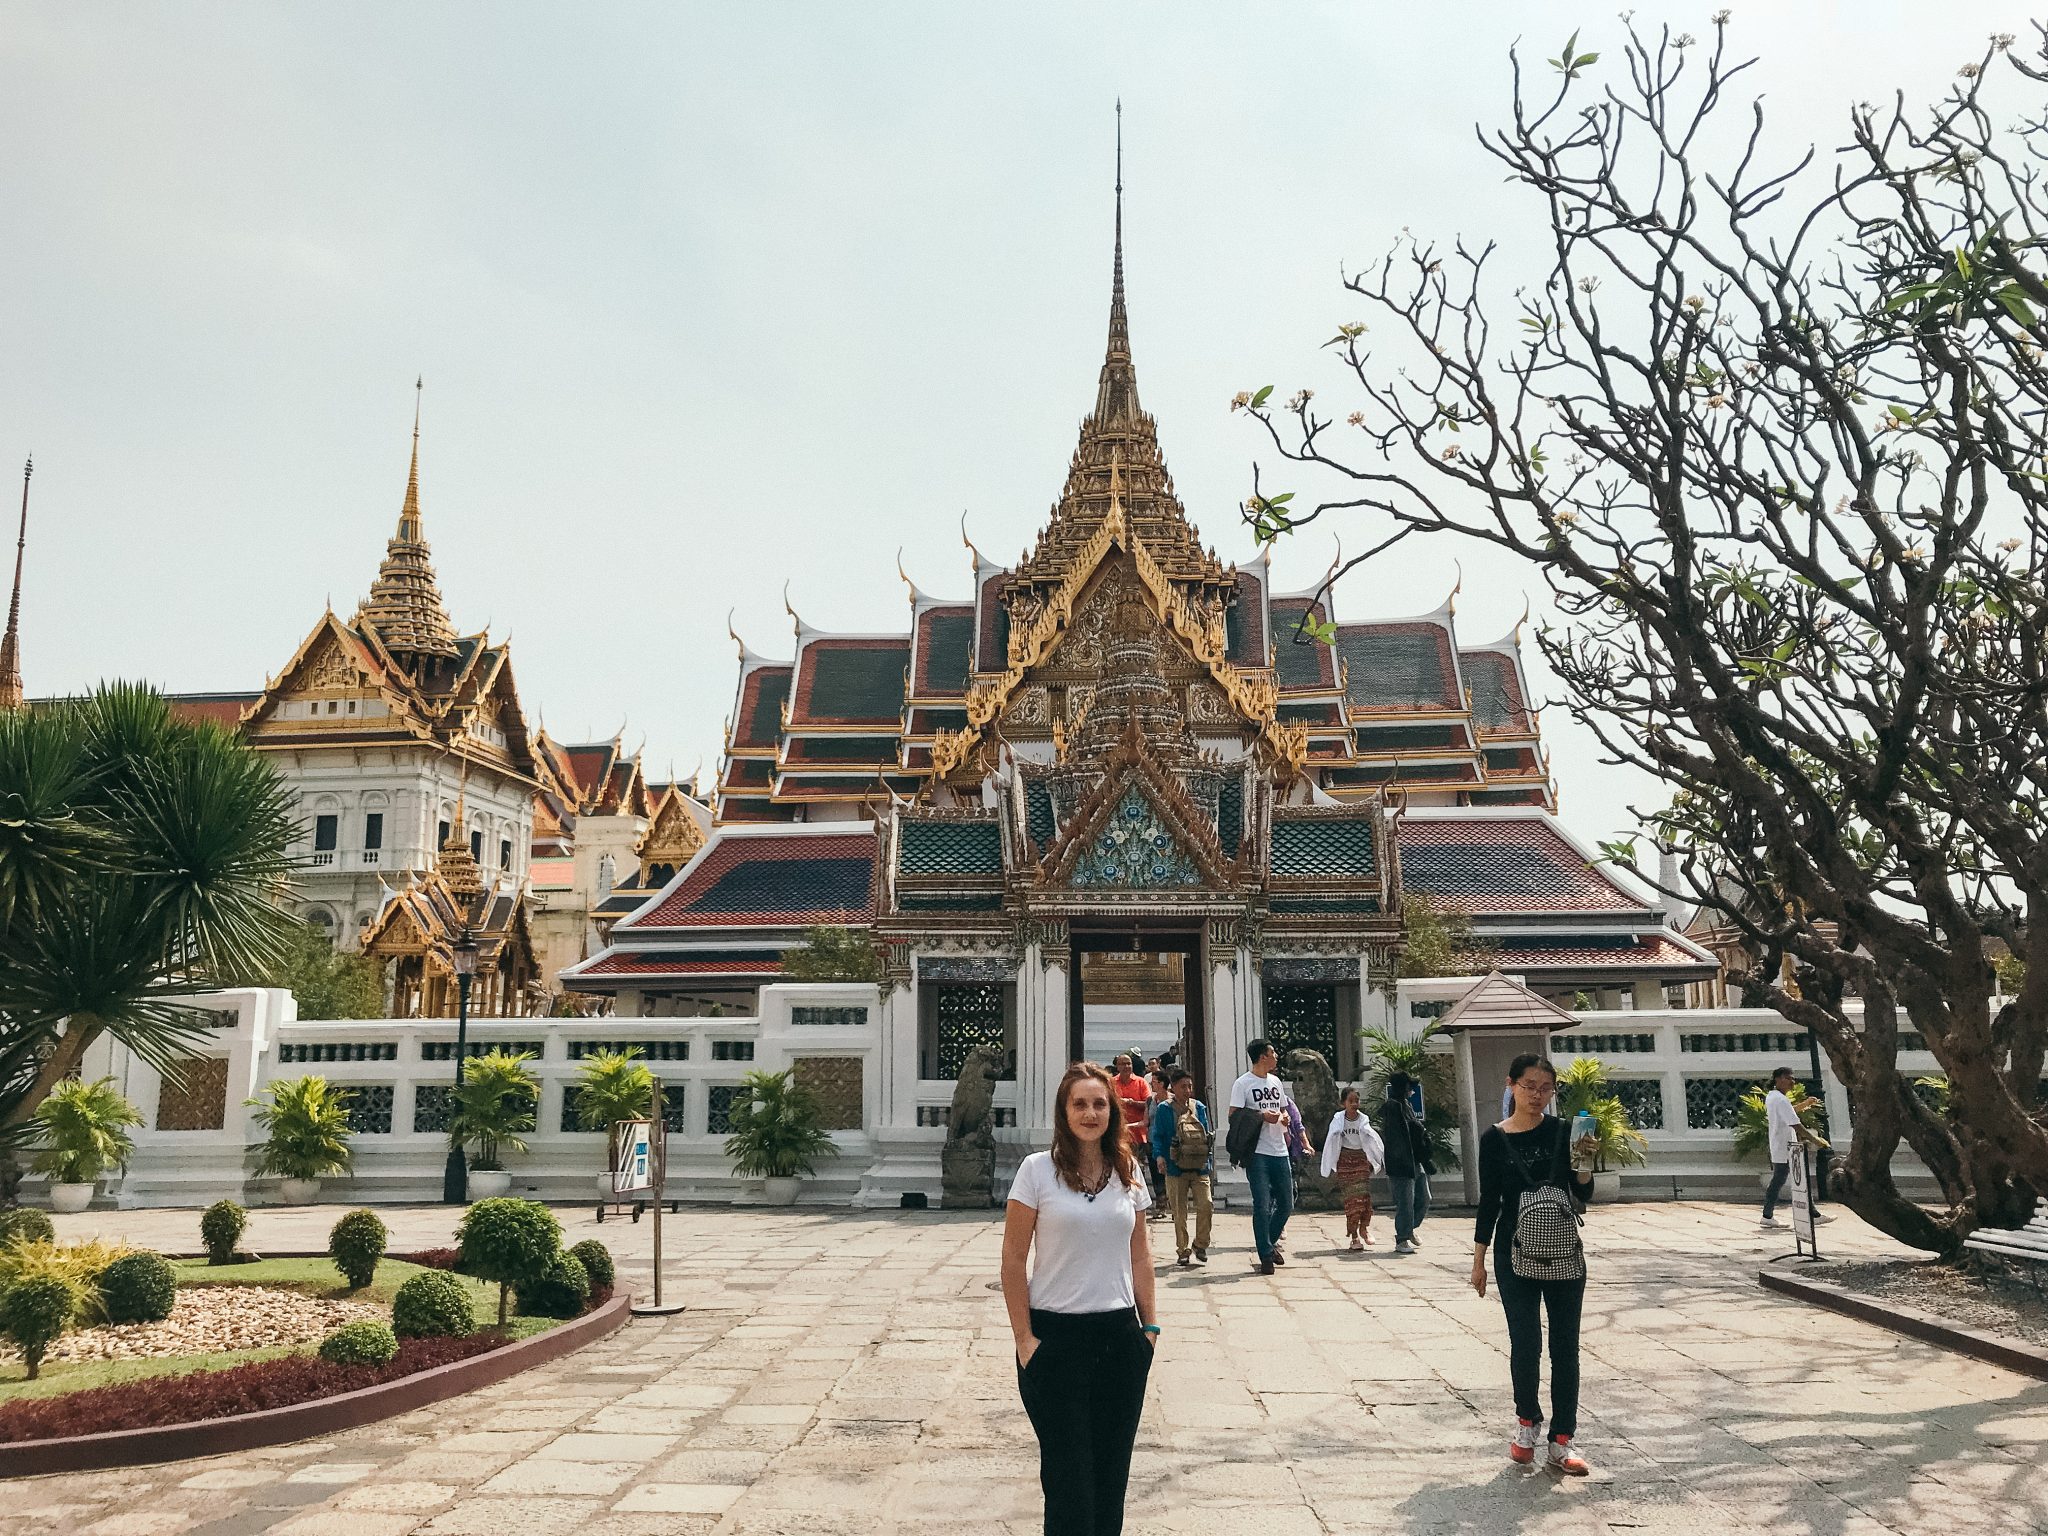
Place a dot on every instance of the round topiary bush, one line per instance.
(509, 1241)
(24, 1223)
(356, 1244)
(138, 1288)
(220, 1228)
(596, 1260)
(561, 1291)
(364, 1342)
(431, 1304)
(35, 1312)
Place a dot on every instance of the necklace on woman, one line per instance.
(1101, 1184)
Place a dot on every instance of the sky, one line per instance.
(710, 298)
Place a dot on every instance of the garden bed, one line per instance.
(2001, 1323)
(325, 1404)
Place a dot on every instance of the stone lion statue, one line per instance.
(967, 1166)
(1315, 1095)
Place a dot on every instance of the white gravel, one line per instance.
(206, 1318)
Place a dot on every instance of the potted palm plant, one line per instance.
(613, 1086)
(1753, 1122)
(1617, 1144)
(494, 1105)
(776, 1137)
(1386, 1053)
(306, 1120)
(83, 1131)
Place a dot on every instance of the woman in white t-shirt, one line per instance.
(1084, 1321)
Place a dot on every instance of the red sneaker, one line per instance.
(1523, 1447)
(1564, 1459)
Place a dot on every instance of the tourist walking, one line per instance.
(1259, 1096)
(1352, 1153)
(1533, 1182)
(1083, 1320)
(1408, 1162)
(1781, 1120)
(1156, 1081)
(1134, 1094)
(1184, 1153)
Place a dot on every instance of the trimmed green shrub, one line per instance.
(596, 1260)
(138, 1288)
(220, 1227)
(432, 1304)
(509, 1241)
(356, 1244)
(364, 1342)
(560, 1292)
(35, 1312)
(27, 1224)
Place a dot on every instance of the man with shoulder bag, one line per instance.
(1184, 1150)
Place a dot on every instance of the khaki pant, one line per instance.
(1181, 1189)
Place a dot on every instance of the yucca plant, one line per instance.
(82, 1131)
(307, 1122)
(140, 861)
(495, 1103)
(776, 1131)
(1386, 1053)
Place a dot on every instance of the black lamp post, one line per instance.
(455, 1178)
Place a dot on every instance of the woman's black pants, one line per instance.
(1525, 1302)
(1084, 1391)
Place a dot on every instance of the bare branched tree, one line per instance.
(1774, 437)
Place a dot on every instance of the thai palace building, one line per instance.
(1115, 796)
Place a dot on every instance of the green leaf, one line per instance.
(1900, 413)
(1259, 398)
(1584, 59)
(2016, 304)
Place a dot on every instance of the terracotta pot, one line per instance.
(299, 1191)
(489, 1183)
(780, 1191)
(70, 1199)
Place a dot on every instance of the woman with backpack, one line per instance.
(1532, 1185)
(1184, 1152)
(1083, 1317)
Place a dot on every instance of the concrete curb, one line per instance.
(303, 1421)
(2012, 1354)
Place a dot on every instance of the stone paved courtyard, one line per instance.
(843, 1373)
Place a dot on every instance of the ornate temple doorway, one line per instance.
(1138, 989)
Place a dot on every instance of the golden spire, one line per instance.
(455, 864)
(404, 605)
(10, 642)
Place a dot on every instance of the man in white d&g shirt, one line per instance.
(1269, 1170)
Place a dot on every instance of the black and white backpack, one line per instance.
(1547, 1222)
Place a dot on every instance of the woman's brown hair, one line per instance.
(1066, 1146)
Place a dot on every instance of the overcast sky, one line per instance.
(708, 298)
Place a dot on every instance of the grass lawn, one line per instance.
(319, 1277)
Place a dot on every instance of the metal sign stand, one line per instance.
(1805, 1245)
(658, 1156)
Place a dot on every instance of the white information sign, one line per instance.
(1801, 1185)
(632, 1157)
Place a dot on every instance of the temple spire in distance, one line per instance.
(10, 642)
(404, 605)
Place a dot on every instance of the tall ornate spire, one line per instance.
(404, 605)
(1119, 427)
(10, 642)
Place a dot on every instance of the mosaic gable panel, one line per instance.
(1134, 849)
